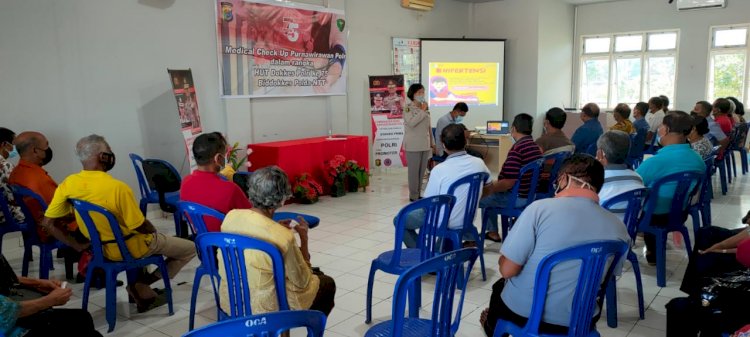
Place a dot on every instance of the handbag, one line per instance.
(728, 292)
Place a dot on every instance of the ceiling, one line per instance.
(573, 2)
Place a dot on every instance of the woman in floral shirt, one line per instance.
(7, 150)
(698, 142)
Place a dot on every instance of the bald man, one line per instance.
(35, 152)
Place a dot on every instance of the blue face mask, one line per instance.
(13, 153)
(458, 119)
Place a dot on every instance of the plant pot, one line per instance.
(352, 184)
(338, 189)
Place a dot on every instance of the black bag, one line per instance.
(11, 288)
(728, 292)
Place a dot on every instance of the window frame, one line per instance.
(726, 50)
(644, 54)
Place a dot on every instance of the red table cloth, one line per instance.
(309, 155)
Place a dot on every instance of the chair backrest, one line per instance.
(474, 191)
(85, 210)
(598, 261)
(448, 267)
(637, 142)
(532, 170)
(196, 214)
(23, 196)
(232, 247)
(270, 324)
(591, 149)
(242, 179)
(142, 184)
(436, 212)
(687, 184)
(552, 161)
(161, 175)
(635, 200)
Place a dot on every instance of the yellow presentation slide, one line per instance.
(470, 82)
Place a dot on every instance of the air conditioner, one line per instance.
(698, 4)
(422, 5)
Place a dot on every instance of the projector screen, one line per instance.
(470, 71)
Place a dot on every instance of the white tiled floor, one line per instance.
(355, 229)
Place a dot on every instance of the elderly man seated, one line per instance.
(540, 231)
(93, 184)
(612, 150)
(305, 288)
(457, 165)
(587, 134)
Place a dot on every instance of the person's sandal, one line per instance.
(158, 291)
(153, 303)
(488, 237)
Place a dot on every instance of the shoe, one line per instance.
(156, 290)
(650, 258)
(153, 303)
(488, 237)
(469, 244)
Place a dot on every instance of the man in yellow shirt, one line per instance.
(93, 184)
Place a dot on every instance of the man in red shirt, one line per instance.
(721, 109)
(204, 186)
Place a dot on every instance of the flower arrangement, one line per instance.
(336, 174)
(306, 189)
(358, 175)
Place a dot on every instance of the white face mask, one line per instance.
(583, 184)
(459, 119)
(419, 98)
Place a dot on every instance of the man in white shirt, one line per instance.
(654, 117)
(612, 150)
(457, 165)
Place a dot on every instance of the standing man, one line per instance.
(456, 116)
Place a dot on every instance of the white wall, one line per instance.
(75, 67)
(694, 26)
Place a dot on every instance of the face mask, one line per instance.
(47, 156)
(584, 184)
(13, 153)
(419, 99)
(459, 119)
(108, 160)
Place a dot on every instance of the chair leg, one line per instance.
(167, 286)
(505, 224)
(45, 262)
(743, 159)
(27, 254)
(611, 299)
(111, 300)
(723, 178)
(638, 283)
(686, 237)
(196, 285)
(480, 247)
(661, 259)
(87, 286)
(706, 214)
(696, 217)
(370, 281)
(415, 297)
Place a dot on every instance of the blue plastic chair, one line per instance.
(591, 149)
(637, 142)
(231, 248)
(449, 271)
(31, 236)
(436, 158)
(595, 268)
(241, 179)
(634, 201)
(397, 261)
(687, 185)
(266, 325)
(653, 146)
(112, 268)
(511, 212)
(473, 191)
(737, 144)
(11, 224)
(557, 160)
(700, 211)
(195, 215)
(148, 195)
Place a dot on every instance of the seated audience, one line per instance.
(455, 116)
(665, 103)
(697, 140)
(93, 184)
(27, 308)
(622, 115)
(521, 153)
(715, 133)
(639, 114)
(587, 134)
(739, 110)
(7, 151)
(721, 111)
(718, 251)
(654, 117)
(305, 288)
(540, 231)
(675, 156)
(612, 151)
(553, 140)
(457, 165)
(204, 186)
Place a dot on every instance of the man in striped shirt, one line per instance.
(521, 153)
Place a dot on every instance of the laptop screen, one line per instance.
(497, 127)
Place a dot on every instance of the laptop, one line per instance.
(498, 127)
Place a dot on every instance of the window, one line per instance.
(728, 62)
(627, 67)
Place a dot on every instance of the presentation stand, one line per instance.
(494, 148)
